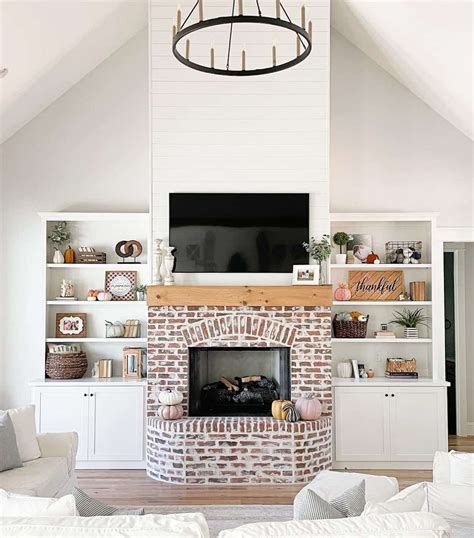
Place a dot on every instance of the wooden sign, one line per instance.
(376, 285)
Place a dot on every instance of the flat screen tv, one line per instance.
(238, 233)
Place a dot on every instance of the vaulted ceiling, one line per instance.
(48, 46)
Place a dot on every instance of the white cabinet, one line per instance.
(389, 425)
(109, 421)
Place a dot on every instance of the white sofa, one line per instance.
(51, 475)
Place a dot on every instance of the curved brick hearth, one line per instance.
(237, 450)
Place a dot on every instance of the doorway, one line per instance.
(450, 339)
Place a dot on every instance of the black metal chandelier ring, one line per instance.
(238, 19)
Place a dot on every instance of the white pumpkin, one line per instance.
(114, 330)
(170, 397)
(104, 296)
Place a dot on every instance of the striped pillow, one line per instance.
(89, 507)
(309, 505)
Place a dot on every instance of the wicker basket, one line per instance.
(66, 366)
(350, 329)
(401, 365)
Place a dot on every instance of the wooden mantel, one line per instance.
(239, 296)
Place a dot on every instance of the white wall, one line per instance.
(390, 151)
(469, 304)
(240, 134)
(87, 152)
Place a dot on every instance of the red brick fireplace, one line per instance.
(238, 449)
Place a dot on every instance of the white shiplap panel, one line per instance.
(249, 134)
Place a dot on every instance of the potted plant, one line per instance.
(341, 239)
(58, 236)
(141, 292)
(409, 320)
(320, 251)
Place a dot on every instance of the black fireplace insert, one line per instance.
(237, 381)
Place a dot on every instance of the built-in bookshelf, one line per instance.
(371, 351)
(101, 231)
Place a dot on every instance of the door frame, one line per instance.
(446, 236)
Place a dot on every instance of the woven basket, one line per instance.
(350, 329)
(401, 365)
(66, 366)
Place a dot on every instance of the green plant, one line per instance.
(341, 239)
(319, 250)
(60, 234)
(410, 318)
(141, 288)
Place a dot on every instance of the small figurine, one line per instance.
(373, 258)
(407, 254)
(370, 374)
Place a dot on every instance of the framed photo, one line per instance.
(360, 246)
(121, 284)
(305, 275)
(71, 325)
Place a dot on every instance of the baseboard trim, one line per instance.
(111, 465)
(409, 465)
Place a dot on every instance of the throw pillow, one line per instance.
(89, 507)
(461, 466)
(411, 500)
(14, 505)
(9, 455)
(24, 425)
(309, 505)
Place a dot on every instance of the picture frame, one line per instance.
(121, 284)
(359, 247)
(71, 325)
(305, 275)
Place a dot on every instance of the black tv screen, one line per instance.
(238, 233)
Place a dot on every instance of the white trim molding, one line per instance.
(462, 234)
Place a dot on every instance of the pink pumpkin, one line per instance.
(342, 292)
(170, 412)
(309, 407)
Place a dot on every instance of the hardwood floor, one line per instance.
(135, 488)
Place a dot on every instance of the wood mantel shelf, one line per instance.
(240, 296)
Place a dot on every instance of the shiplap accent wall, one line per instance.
(239, 134)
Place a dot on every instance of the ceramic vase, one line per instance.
(157, 261)
(344, 369)
(411, 332)
(58, 256)
(341, 259)
(168, 262)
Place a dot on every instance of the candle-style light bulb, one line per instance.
(243, 60)
(274, 55)
(241, 7)
(277, 9)
(310, 29)
(303, 17)
(298, 45)
(212, 57)
(174, 31)
(188, 46)
(201, 11)
(178, 19)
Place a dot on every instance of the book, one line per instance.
(401, 374)
(355, 368)
(66, 298)
(384, 334)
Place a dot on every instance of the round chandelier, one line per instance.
(183, 30)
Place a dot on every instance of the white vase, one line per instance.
(157, 261)
(58, 256)
(168, 263)
(344, 369)
(411, 332)
(341, 259)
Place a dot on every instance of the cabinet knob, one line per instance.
(85, 394)
(91, 394)
(392, 395)
(386, 396)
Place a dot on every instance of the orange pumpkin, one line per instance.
(277, 409)
(372, 257)
(69, 255)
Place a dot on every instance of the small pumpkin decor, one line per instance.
(373, 258)
(69, 255)
(292, 414)
(277, 409)
(170, 397)
(309, 407)
(114, 330)
(170, 412)
(104, 296)
(342, 292)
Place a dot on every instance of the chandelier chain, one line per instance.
(289, 20)
(258, 8)
(230, 37)
(189, 15)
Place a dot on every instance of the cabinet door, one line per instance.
(417, 423)
(362, 429)
(117, 416)
(64, 409)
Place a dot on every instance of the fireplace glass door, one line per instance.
(237, 381)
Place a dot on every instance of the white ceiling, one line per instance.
(48, 46)
(427, 45)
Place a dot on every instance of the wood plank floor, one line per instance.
(119, 487)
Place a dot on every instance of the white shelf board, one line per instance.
(382, 303)
(98, 340)
(103, 266)
(382, 340)
(95, 304)
(382, 381)
(89, 381)
(380, 266)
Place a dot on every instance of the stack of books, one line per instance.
(406, 375)
(384, 334)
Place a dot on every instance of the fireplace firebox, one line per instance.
(237, 381)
